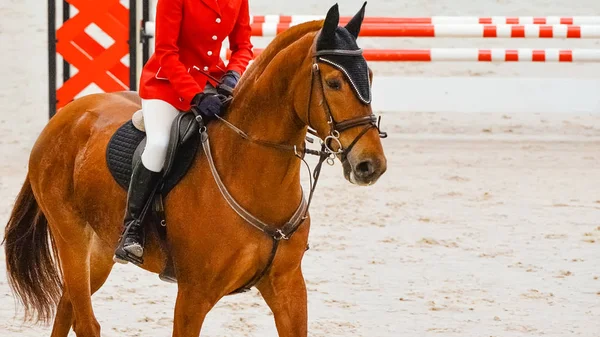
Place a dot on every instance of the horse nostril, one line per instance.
(364, 169)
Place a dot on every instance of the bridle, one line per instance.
(331, 147)
(336, 128)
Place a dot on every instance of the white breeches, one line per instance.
(158, 118)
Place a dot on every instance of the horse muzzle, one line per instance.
(364, 170)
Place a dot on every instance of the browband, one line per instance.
(339, 52)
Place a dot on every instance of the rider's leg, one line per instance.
(158, 117)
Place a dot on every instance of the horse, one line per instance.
(67, 218)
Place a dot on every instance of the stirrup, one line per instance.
(121, 255)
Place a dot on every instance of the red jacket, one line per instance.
(189, 35)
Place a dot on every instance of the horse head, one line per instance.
(317, 71)
(339, 107)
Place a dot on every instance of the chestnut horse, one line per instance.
(67, 219)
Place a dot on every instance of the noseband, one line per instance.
(336, 128)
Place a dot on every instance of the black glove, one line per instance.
(208, 105)
(228, 83)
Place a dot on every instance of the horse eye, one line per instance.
(334, 84)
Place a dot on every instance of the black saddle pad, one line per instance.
(122, 148)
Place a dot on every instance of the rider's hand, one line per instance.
(208, 105)
(228, 83)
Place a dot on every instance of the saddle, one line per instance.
(127, 144)
(124, 151)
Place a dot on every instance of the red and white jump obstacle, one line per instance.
(437, 20)
(270, 29)
(464, 94)
(473, 55)
(550, 27)
(468, 94)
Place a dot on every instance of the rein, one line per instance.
(326, 154)
(284, 147)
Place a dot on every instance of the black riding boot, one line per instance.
(131, 243)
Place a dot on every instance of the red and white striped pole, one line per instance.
(436, 20)
(474, 55)
(455, 30)
(446, 31)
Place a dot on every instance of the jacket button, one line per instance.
(214, 37)
(205, 68)
(218, 20)
(209, 53)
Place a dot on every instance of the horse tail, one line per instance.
(31, 262)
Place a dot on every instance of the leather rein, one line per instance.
(326, 154)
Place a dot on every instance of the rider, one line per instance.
(188, 39)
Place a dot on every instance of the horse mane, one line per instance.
(279, 43)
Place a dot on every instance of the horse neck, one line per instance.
(265, 180)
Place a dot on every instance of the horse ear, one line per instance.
(354, 25)
(332, 20)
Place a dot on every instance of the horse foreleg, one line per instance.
(286, 296)
(191, 307)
